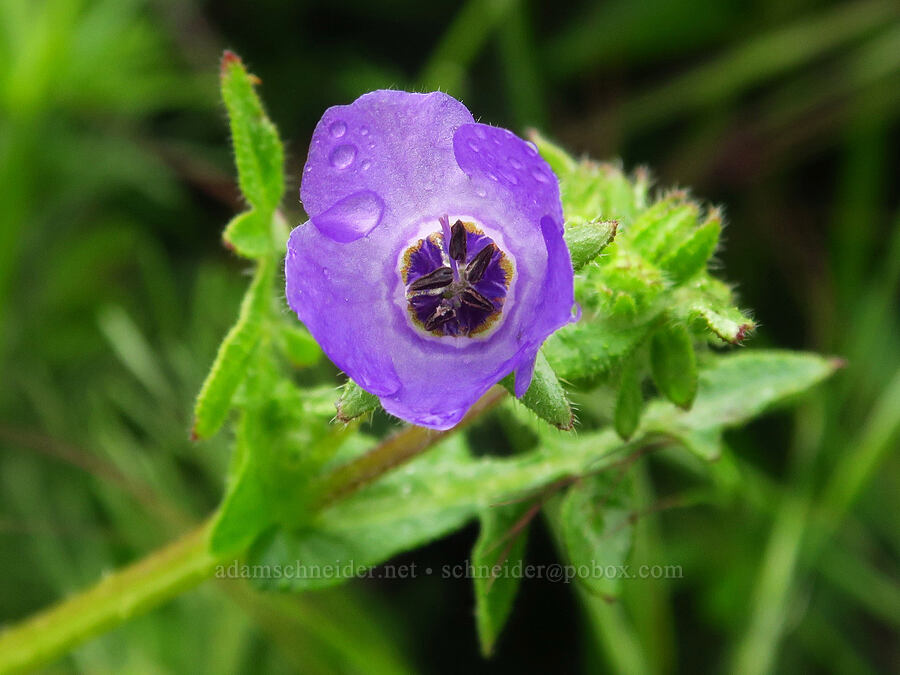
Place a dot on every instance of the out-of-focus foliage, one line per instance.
(114, 293)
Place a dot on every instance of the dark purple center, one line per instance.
(456, 280)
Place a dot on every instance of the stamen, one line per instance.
(451, 300)
(442, 314)
(476, 269)
(458, 242)
(439, 278)
(473, 298)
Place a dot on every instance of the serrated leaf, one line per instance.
(355, 402)
(545, 396)
(297, 344)
(258, 151)
(584, 350)
(674, 364)
(499, 549)
(595, 517)
(629, 400)
(587, 239)
(230, 366)
(668, 232)
(733, 389)
(249, 234)
(692, 255)
(708, 304)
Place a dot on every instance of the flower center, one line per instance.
(456, 280)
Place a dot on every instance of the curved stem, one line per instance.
(187, 562)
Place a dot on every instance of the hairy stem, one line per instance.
(114, 600)
(187, 562)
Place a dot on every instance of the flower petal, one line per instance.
(490, 155)
(392, 143)
(352, 217)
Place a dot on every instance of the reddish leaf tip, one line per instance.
(229, 57)
(743, 331)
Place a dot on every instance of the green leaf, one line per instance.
(355, 402)
(498, 550)
(249, 234)
(595, 518)
(629, 400)
(297, 344)
(691, 256)
(230, 366)
(586, 239)
(708, 304)
(545, 396)
(257, 148)
(673, 364)
(584, 350)
(734, 389)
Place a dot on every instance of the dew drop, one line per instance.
(364, 131)
(516, 164)
(365, 165)
(338, 129)
(532, 148)
(539, 176)
(342, 156)
(473, 146)
(493, 177)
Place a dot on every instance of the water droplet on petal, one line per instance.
(539, 176)
(338, 129)
(364, 131)
(509, 177)
(492, 176)
(516, 164)
(365, 165)
(342, 156)
(473, 146)
(351, 218)
(532, 148)
(480, 191)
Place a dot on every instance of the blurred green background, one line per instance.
(116, 179)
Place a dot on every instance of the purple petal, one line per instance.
(352, 217)
(493, 155)
(392, 143)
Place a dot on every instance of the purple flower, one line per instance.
(433, 263)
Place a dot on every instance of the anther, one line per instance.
(442, 314)
(439, 278)
(458, 242)
(473, 298)
(476, 269)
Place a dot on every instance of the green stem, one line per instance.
(187, 562)
(114, 600)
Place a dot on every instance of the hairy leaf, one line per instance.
(232, 360)
(545, 396)
(674, 365)
(498, 551)
(257, 149)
